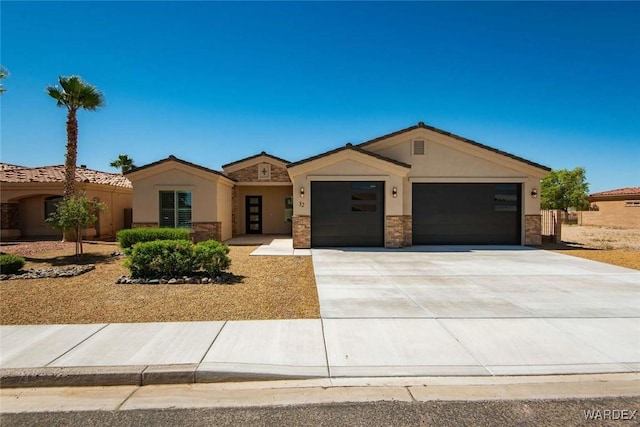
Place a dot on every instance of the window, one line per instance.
(364, 196)
(507, 197)
(417, 148)
(288, 208)
(632, 203)
(175, 209)
(50, 205)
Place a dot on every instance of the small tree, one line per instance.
(123, 162)
(76, 213)
(4, 73)
(564, 189)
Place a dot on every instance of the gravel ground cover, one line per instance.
(271, 288)
(611, 245)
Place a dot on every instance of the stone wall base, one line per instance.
(408, 230)
(206, 231)
(144, 225)
(301, 230)
(394, 231)
(533, 230)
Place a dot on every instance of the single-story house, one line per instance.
(613, 208)
(30, 194)
(419, 185)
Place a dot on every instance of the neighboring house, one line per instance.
(30, 194)
(416, 186)
(614, 208)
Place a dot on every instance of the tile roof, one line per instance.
(173, 158)
(16, 174)
(350, 146)
(255, 157)
(628, 191)
(422, 125)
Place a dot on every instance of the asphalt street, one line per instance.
(523, 413)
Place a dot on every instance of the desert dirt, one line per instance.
(270, 288)
(610, 245)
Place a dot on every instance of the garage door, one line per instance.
(461, 214)
(347, 214)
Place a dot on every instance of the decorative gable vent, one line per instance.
(264, 172)
(418, 148)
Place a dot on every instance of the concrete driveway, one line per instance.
(472, 310)
(471, 282)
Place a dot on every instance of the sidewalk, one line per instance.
(205, 352)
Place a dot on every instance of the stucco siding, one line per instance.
(273, 208)
(224, 206)
(203, 191)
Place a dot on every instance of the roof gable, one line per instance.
(173, 158)
(421, 125)
(251, 160)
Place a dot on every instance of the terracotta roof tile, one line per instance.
(628, 191)
(15, 174)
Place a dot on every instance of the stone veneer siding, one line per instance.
(9, 216)
(394, 231)
(250, 174)
(144, 225)
(301, 232)
(206, 230)
(408, 230)
(533, 230)
(235, 209)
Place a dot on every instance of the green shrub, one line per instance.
(10, 264)
(211, 256)
(161, 258)
(128, 238)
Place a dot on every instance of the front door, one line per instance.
(253, 214)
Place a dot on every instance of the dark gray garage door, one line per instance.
(347, 214)
(461, 214)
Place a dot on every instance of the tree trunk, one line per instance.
(71, 155)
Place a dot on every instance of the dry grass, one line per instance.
(271, 288)
(610, 245)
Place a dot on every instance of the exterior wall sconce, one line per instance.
(534, 193)
(301, 191)
(394, 192)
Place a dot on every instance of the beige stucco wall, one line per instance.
(272, 208)
(611, 213)
(224, 206)
(173, 176)
(449, 160)
(31, 197)
(348, 167)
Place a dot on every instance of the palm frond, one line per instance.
(76, 94)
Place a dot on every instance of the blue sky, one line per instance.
(213, 82)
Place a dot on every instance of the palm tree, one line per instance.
(4, 73)
(124, 162)
(73, 95)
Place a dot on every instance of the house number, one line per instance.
(302, 204)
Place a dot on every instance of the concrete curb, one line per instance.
(138, 375)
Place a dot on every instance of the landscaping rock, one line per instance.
(196, 279)
(51, 272)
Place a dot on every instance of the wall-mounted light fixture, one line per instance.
(301, 191)
(394, 192)
(534, 193)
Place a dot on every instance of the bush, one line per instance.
(10, 264)
(128, 238)
(161, 258)
(211, 256)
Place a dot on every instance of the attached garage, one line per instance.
(347, 213)
(467, 213)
